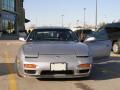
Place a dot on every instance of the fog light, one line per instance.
(30, 66)
(84, 65)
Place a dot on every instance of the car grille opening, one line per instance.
(47, 72)
(30, 71)
(84, 71)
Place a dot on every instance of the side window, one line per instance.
(113, 33)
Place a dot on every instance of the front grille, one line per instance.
(30, 71)
(47, 72)
(84, 71)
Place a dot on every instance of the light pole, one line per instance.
(77, 23)
(84, 18)
(96, 17)
(62, 20)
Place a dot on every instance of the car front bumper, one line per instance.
(49, 74)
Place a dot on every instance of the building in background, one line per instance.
(12, 17)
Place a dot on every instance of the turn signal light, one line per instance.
(30, 65)
(84, 65)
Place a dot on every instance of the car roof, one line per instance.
(112, 25)
(52, 27)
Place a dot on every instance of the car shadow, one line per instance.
(105, 69)
(7, 68)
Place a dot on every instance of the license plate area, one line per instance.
(58, 66)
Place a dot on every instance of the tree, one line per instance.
(101, 24)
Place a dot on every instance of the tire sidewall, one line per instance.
(116, 48)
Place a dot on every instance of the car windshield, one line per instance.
(52, 35)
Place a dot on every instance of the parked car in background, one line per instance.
(53, 52)
(99, 44)
(23, 33)
(113, 31)
(83, 33)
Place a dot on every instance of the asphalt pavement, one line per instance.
(105, 74)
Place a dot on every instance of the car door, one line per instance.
(101, 46)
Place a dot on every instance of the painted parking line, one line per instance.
(11, 78)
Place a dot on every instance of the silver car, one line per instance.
(99, 45)
(53, 52)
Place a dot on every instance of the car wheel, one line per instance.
(116, 48)
(17, 69)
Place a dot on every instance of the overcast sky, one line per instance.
(48, 12)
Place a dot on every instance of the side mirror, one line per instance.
(22, 39)
(90, 39)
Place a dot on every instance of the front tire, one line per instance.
(17, 69)
(116, 48)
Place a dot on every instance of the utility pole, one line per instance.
(96, 17)
(84, 18)
(62, 20)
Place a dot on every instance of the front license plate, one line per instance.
(58, 66)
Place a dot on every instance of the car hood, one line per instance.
(55, 48)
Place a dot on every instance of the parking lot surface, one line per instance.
(105, 74)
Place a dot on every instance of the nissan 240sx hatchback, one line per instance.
(53, 52)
